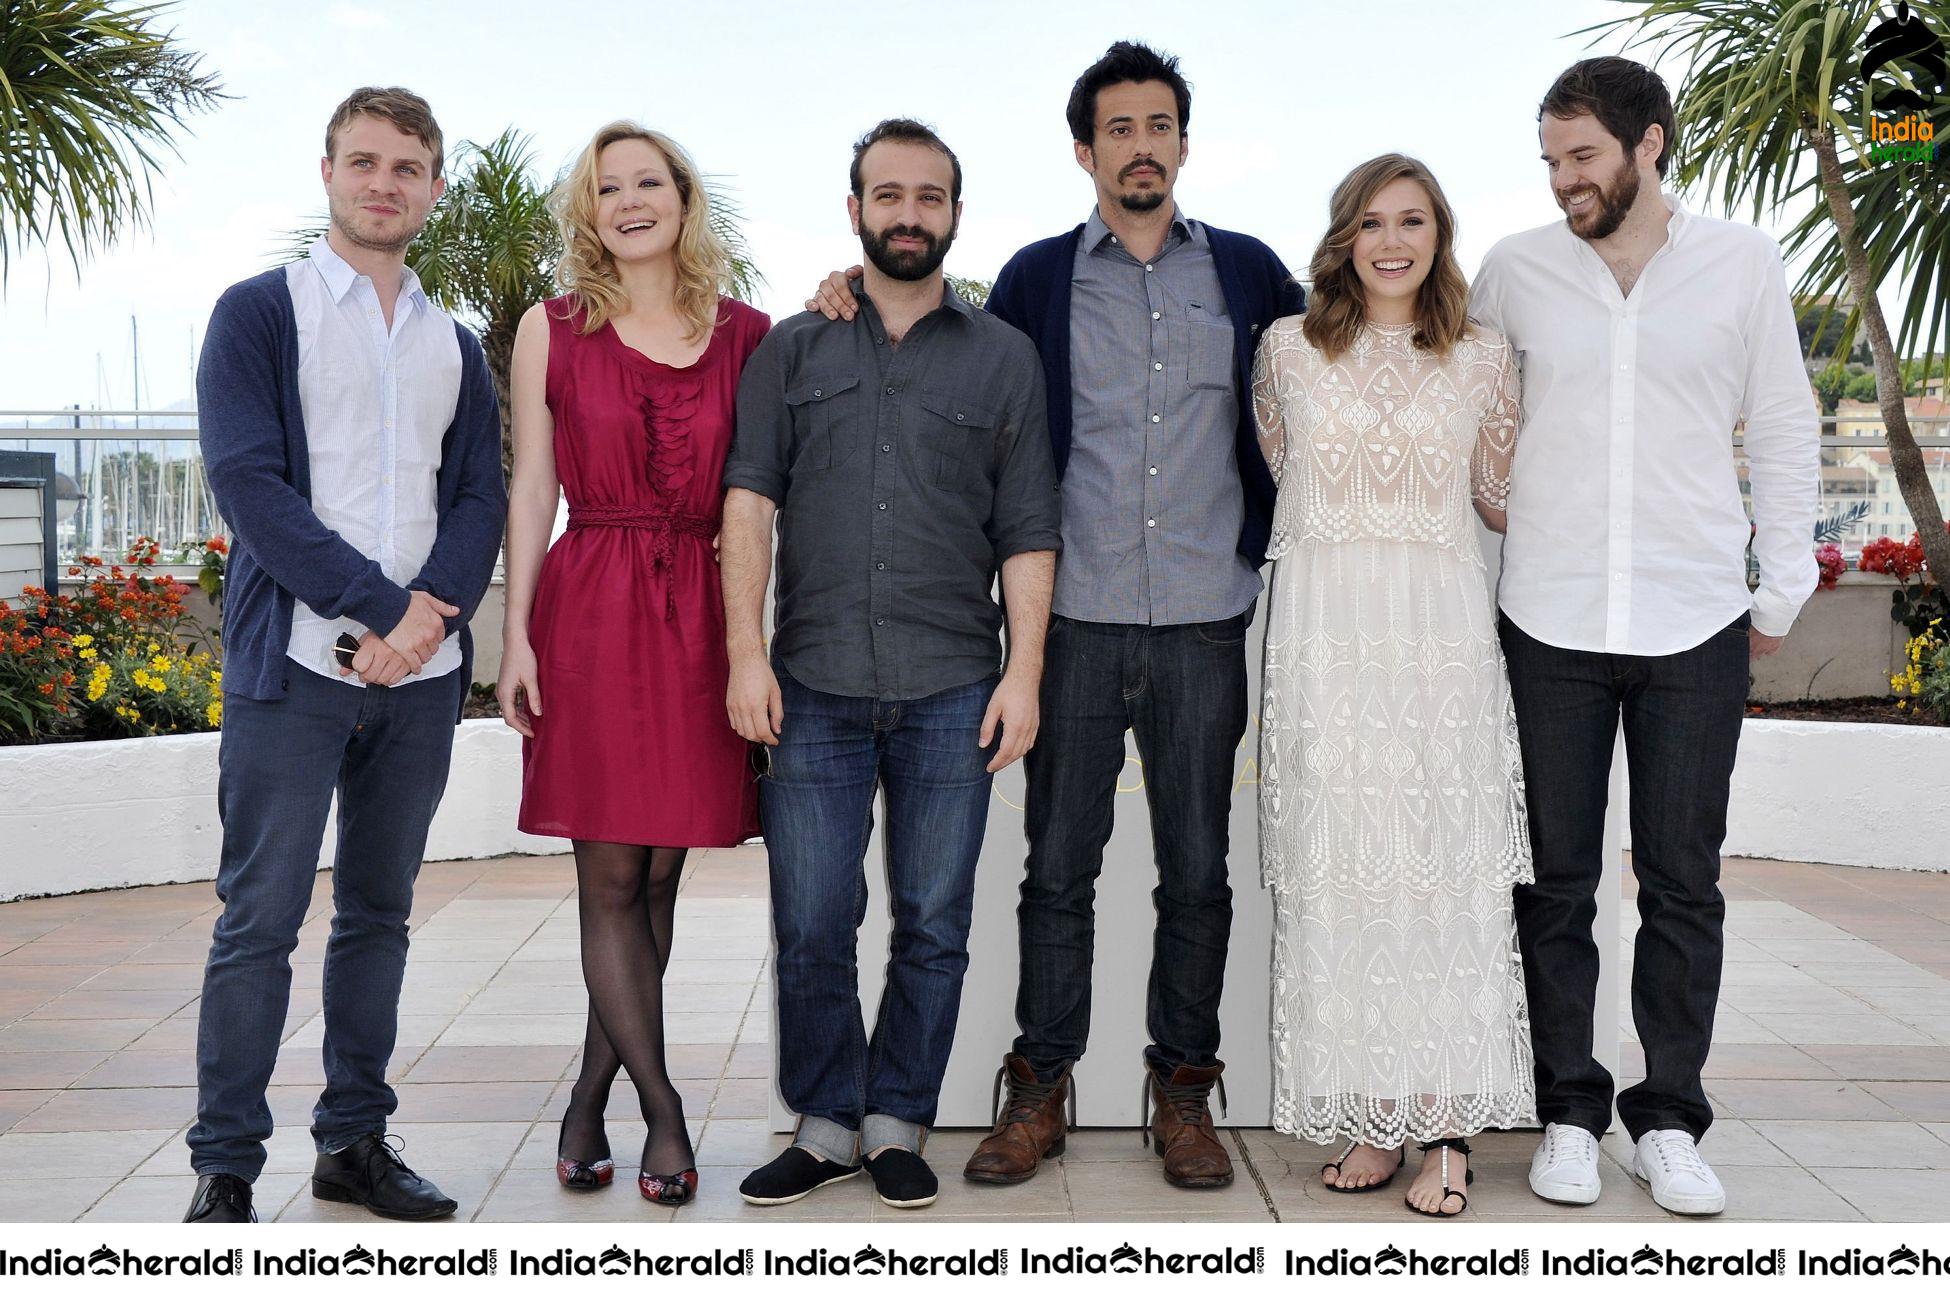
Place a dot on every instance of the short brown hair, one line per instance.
(1339, 305)
(901, 130)
(1627, 98)
(401, 107)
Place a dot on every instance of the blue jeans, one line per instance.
(385, 753)
(817, 809)
(1182, 689)
(1681, 714)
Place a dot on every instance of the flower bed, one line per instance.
(118, 658)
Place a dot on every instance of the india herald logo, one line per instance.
(1907, 44)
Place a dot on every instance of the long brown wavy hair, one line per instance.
(1338, 306)
(587, 272)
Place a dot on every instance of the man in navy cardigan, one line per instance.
(1146, 322)
(351, 435)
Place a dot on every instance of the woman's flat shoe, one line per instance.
(1469, 1177)
(1335, 1167)
(670, 1190)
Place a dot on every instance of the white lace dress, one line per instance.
(1392, 826)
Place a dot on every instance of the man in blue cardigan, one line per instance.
(1146, 322)
(351, 435)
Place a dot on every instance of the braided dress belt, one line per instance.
(664, 526)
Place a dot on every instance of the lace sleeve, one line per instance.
(1496, 436)
(1268, 415)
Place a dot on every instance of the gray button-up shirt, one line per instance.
(904, 476)
(1151, 499)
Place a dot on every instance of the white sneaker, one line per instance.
(1565, 1166)
(1681, 1181)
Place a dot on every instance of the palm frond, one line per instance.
(90, 92)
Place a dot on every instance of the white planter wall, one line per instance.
(1840, 793)
(76, 817)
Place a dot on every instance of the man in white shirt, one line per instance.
(350, 432)
(1646, 334)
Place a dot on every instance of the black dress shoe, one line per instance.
(221, 1200)
(371, 1174)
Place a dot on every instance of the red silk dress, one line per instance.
(633, 744)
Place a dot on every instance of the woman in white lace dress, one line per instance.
(1391, 798)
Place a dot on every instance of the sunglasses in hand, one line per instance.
(345, 649)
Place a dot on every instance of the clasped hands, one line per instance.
(405, 649)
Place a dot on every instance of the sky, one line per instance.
(768, 96)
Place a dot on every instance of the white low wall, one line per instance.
(1838, 793)
(75, 817)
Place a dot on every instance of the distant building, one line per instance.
(1929, 416)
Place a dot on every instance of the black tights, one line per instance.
(626, 896)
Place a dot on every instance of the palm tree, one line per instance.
(89, 90)
(1774, 85)
(489, 249)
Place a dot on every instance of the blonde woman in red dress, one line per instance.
(613, 654)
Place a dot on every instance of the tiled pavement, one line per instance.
(1831, 1071)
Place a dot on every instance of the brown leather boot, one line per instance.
(1180, 1129)
(1029, 1126)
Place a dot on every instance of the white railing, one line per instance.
(155, 486)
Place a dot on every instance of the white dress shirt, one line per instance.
(377, 407)
(1627, 532)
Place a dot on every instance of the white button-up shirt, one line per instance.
(1627, 531)
(377, 405)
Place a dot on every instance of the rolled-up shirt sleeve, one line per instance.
(1783, 441)
(1027, 512)
(761, 447)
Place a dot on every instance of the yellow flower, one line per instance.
(140, 677)
(87, 655)
(154, 647)
(83, 640)
(214, 714)
(159, 663)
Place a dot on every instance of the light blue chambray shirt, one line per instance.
(1151, 499)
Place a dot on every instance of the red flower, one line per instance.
(217, 545)
(1829, 559)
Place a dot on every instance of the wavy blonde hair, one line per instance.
(1338, 306)
(587, 272)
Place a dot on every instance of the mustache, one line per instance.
(1132, 167)
(906, 232)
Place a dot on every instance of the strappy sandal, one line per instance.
(1335, 1167)
(1469, 1177)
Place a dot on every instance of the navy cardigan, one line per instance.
(259, 465)
(1033, 294)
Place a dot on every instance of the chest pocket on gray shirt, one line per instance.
(821, 422)
(1205, 351)
(957, 439)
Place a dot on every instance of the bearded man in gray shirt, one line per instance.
(907, 458)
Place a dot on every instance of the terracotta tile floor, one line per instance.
(1831, 1073)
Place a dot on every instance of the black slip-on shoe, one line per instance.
(371, 1174)
(221, 1199)
(791, 1176)
(902, 1178)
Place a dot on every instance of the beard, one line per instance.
(1144, 200)
(360, 232)
(1614, 198)
(901, 264)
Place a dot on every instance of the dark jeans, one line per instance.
(1682, 716)
(1183, 690)
(817, 809)
(385, 752)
